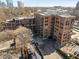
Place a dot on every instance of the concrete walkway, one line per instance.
(5, 45)
(53, 55)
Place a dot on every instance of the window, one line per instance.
(57, 18)
(57, 21)
(60, 34)
(61, 23)
(67, 22)
(57, 25)
(63, 41)
(56, 29)
(46, 17)
(46, 30)
(46, 20)
(46, 24)
(61, 27)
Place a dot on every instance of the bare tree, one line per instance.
(24, 35)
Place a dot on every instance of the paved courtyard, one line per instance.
(48, 49)
(53, 55)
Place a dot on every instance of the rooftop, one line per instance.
(21, 18)
(67, 16)
(45, 14)
(59, 12)
(61, 15)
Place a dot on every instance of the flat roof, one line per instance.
(20, 18)
(45, 14)
(67, 16)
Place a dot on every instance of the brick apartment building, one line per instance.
(46, 25)
(20, 21)
(43, 22)
(56, 26)
(62, 28)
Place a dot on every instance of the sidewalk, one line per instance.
(53, 55)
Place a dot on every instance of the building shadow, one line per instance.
(48, 47)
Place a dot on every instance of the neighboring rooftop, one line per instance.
(45, 14)
(67, 16)
(61, 15)
(59, 12)
(20, 18)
